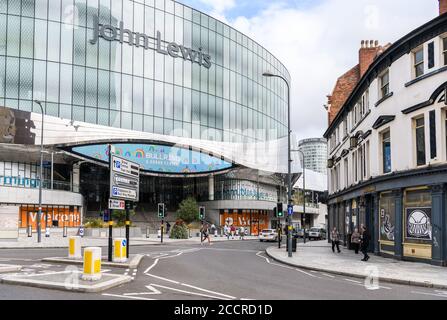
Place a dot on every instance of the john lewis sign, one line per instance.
(123, 35)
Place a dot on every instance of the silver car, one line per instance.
(317, 234)
(268, 235)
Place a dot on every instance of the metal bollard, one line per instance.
(29, 231)
(92, 264)
(148, 233)
(65, 231)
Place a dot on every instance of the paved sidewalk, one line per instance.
(318, 256)
(57, 241)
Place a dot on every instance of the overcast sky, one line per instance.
(318, 40)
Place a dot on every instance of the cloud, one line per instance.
(219, 6)
(318, 43)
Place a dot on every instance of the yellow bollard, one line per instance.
(74, 248)
(92, 264)
(120, 250)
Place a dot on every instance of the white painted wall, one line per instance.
(403, 150)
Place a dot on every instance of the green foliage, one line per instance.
(179, 230)
(94, 223)
(188, 210)
(119, 216)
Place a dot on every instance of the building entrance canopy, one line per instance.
(158, 158)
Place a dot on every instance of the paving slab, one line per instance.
(132, 263)
(67, 281)
(347, 263)
(5, 268)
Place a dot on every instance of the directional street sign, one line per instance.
(124, 179)
(115, 204)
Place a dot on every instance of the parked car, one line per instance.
(317, 234)
(268, 235)
(299, 233)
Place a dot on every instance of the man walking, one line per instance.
(335, 238)
(365, 243)
(205, 234)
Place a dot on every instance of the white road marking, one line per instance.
(106, 270)
(188, 292)
(429, 294)
(285, 266)
(161, 278)
(153, 265)
(307, 273)
(355, 281)
(282, 266)
(127, 297)
(260, 252)
(327, 275)
(209, 291)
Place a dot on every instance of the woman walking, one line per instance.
(355, 240)
(335, 238)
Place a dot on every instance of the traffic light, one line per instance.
(280, 212)
(201, 213)
(161, 210)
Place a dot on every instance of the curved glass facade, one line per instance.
(48, 52)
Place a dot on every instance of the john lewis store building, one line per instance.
(173, 89)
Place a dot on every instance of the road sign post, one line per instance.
(161, 214)
(128, 205)
(124, 189)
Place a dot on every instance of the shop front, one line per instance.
(252, 220)
(52, 216)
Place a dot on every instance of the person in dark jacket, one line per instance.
(355, 240)
(365, 243)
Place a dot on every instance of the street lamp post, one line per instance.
(289, 163)
(39, 214)
(304, 194)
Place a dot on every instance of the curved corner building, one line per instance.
(169, 87)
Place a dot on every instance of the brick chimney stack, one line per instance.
(442, 7)
(368, 52)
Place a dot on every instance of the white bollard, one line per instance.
(92, 264)
(120, 250)
(74, 248)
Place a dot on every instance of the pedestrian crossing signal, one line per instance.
(280, 212)
(202, 213)
(161, 210)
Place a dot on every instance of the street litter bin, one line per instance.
(293, 245)
(348, 242)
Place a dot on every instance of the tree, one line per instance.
(298, 197)
(188, 210)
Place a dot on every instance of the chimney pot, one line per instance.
(442, 7)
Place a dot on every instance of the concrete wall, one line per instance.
(13, 195)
